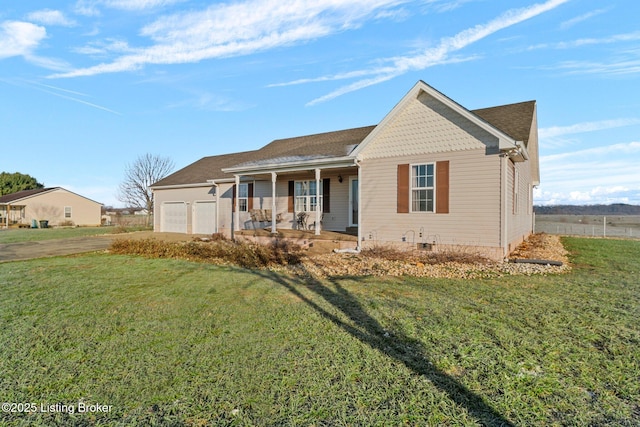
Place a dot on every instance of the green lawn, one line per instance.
(38, 234)
(168, 342)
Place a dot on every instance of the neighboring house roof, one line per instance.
(13, 197)
(510, 122)
(26, 194)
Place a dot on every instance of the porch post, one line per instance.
(273, 202)
(318, 210)
(236, 216)
(360, 228)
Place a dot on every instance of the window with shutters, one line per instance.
(306, 196)
(422, 187)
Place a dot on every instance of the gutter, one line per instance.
(291, 166)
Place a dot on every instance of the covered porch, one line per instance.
(312, 197)
(12, 215)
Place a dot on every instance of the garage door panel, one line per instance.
(174, 217)
(204, 217)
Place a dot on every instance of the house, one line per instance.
(55, 205)
(431, 174)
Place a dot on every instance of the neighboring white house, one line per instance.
(55, 205)
(431, 172)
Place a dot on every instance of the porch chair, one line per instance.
(301, 220)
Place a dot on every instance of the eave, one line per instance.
(295, 166)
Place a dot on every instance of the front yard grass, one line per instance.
(16, 235)
(184, 343)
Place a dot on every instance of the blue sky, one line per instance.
(86, 86)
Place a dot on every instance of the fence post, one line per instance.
(604, 226)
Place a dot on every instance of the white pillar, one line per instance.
(360, 227)
(318, 210)
(236, 216)
(273, 202)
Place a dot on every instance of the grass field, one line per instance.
(40, 234)
(166, 342)
(627, 226)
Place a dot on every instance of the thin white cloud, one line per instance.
(616, 38)
(139, 4)
(596, 153)
(104, 48)
(446, 5)
(81, 101)
(87, 8)
(629, 64)
(584, 17)
(20, 38)
(232, 29)
(50, 17)
(555, 131)
(605, 174)
(440, 54)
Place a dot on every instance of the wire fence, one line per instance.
(589, 225)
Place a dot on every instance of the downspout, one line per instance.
(503, 206)
(318, 211)
(274, 215)
(236, 213)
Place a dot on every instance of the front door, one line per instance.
(353, 201)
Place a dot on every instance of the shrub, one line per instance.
(243, 254)
(455, 254)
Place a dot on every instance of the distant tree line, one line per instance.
(13, 182)
(613, 209)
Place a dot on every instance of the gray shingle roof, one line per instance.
(206, 168)
(8, 198)
(514, 119)
(330, 144)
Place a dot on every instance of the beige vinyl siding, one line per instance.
(50, 206)
(186, 195)
(520, 220)
(474, 201)
(427, 126)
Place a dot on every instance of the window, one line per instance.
(306, 196)
(67, 211)
(422, 188)
(243, 197)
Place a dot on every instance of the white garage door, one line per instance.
(204, 217)
(174, 217)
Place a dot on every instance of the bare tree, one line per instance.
(148, 169)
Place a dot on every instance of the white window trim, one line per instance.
(306, 198)
(411, 187)
(244, 208)
(70, 212)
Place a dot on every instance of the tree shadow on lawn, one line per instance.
(396, 345)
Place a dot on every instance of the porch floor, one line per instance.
(326, 242)
(300, 234)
